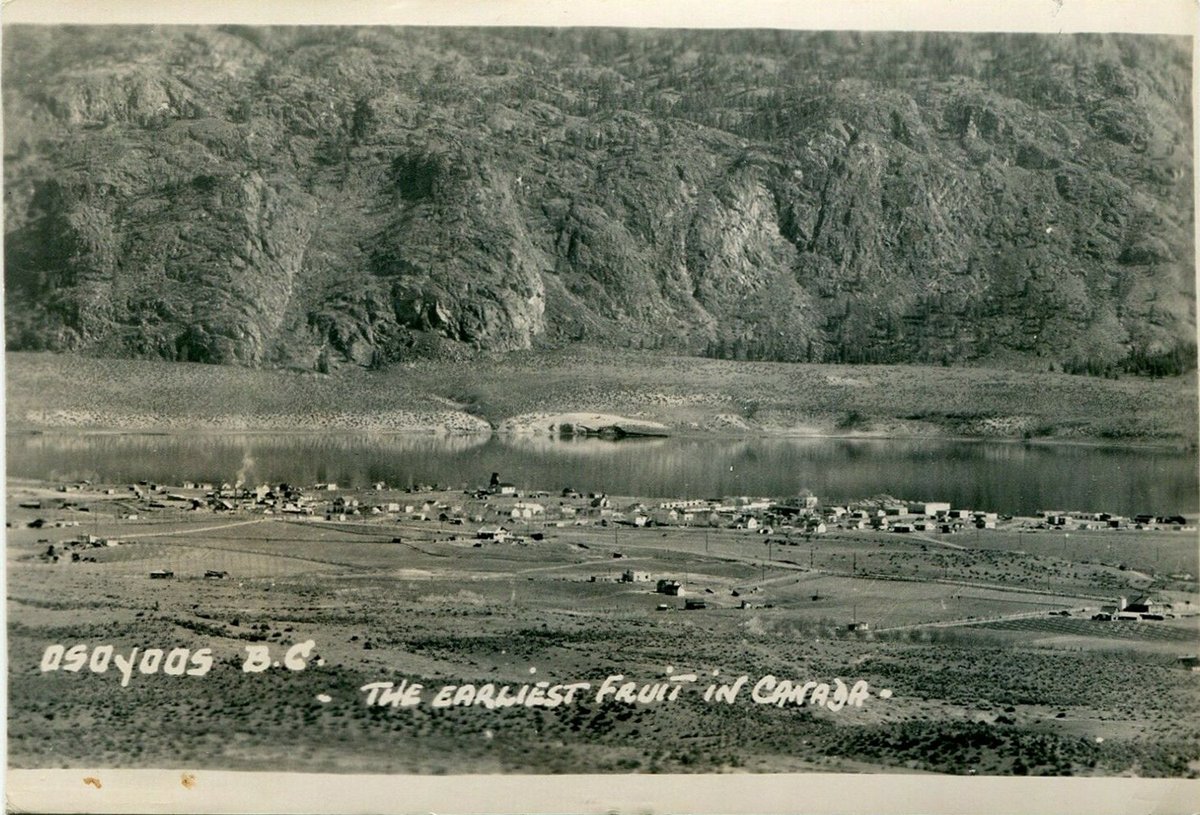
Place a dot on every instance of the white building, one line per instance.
(930, 509)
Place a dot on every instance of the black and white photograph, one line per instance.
(635, 401)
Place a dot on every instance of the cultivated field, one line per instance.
(982, 678)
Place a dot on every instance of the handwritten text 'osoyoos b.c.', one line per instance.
(178, 661)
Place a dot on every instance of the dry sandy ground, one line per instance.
(529, 390)
(408, 421)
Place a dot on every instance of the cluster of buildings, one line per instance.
(665, 586)
(283, 499)
(500, 506)
(500, 511)
(74, 549)
(803, 515)
(322, 500)
(1146, 607)
(930, 516)
(1054, 519)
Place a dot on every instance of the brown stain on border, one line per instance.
(188, 780)
(92, 781)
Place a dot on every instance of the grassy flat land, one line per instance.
(983, 677)
(684, 393)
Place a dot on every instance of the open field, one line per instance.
(684, 393)
(1117, 630)
(981, 677)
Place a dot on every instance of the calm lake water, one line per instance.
(1006, 477)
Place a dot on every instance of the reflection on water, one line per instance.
(578, 446)
(999, 476)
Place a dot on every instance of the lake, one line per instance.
(1005, 477)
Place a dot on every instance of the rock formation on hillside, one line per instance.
(315, 197)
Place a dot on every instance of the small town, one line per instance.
(501, 510)
(499, 513)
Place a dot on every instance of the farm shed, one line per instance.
(1148, 605)
(669, 587)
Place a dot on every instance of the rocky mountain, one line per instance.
(316, 197)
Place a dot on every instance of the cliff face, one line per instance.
(316, 197)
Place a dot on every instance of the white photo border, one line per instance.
(161, 791)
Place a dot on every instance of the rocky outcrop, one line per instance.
(321, 197)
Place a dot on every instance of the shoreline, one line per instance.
(539, 394)
(690, 434)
